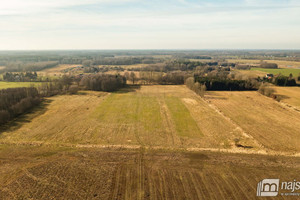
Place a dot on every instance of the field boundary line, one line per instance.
(167, 119)
(289, 106)
(137, 147)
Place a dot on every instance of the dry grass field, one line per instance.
(289, 95)
(283, 71)
(78, 173)
(272, 124)
(149, 142)
(249, 73)
(150, 116)
(4, 85)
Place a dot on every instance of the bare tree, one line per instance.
(133, 77)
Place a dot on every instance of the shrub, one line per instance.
(243, 67)
(267, 91)
(285, 81)
(195, 86)
(189, 82)
(73, 89)
(268, 65)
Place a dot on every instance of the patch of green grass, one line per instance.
(132, 109)
(184, 122)
(4, 85)
(285, 72)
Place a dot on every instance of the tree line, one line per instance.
(174, 65)
(268, 65)
(15, 101)
(285, 81)
(102, 82)
(28, 66)
(226, 84)
(190, 56)
(96, 69)
(281, 80)
(20, 77)
(150, 77)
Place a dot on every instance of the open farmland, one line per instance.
(289, 95)
(4, 85)
(148, 142)
(250, 73)
(268, 121)
(170, 117)
(285, 72)
(80, 173)
(150, 116)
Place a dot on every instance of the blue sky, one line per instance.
(149, 24)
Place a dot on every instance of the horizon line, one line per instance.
(175, 49)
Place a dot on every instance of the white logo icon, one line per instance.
(268, 188)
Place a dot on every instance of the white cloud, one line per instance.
(8, 7)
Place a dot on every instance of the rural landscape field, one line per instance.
(157, 136)
(149, 100)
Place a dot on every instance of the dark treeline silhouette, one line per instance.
(227, 64)
(103, 82)
(285, 81)
(268, 65)
(15, 101)
(225, 84)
